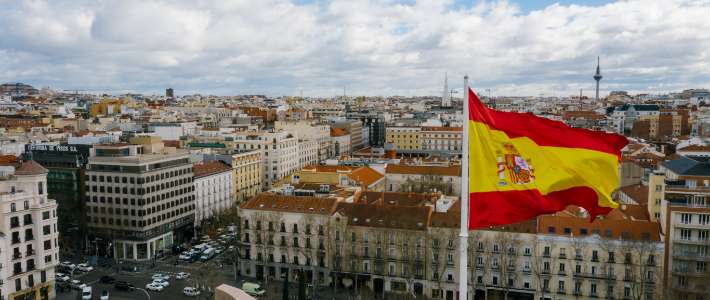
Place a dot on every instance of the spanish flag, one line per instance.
(522, 166)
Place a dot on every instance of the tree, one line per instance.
(444, 242)
(507, 243)
(537, 265)
(640, 267)
(205, 278)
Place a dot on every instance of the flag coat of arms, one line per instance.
(522, 166)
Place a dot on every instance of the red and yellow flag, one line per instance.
(522, 166)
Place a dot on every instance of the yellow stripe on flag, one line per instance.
(492, 154)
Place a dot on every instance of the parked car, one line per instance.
(123, 285)
(161, 276)
(61, 277)
(107, 279)
(190, 291)
(154, 287)
(104, 295)
(76, 284)
(84, 268)
(86, 293)
(67, 264)
(182, 275)
(253, 289)
(161, 282)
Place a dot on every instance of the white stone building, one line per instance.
(28, 222)
(279, 153)
(213, 189)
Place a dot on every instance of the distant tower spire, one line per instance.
(597, 78)
(446, 97)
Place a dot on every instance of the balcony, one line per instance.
(15, 224)
(546, 254)
(30, 252)
(595, 259)
(16, 255)
(563, 256)
(578, 257)
(15, 240)
(16, 271)
(561, 292)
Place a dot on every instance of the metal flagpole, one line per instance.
(463, 235)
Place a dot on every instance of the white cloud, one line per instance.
(373, 47)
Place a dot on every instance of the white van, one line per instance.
(190, 291)
(86, 293)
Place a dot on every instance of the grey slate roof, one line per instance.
(689, 165)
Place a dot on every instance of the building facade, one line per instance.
(30, 247)
(685, 221)
(213, 189)
(404, 138)
(447, 140)
(140, 198)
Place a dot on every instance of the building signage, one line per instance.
(54, 148)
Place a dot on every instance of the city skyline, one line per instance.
(276, 47)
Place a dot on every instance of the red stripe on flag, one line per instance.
(542, 131)
(500, 208)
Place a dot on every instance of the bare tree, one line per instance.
(444, 242)
(205, 278)
(538, 265)
(508, 243)
(640, 267)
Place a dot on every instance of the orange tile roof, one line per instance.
(386, 216)
(396, 198)
(274, 202)
(613, 224)
(365, 176)
(695, 148)
(637, 192)
(29, 167)
(326, 169)
(454, 170)
(442, 128)
(338, 132)
(210, 168)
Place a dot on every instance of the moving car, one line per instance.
(253, 289)
(84, 268)
(207, 254)
(86, 293)
(161, 282)
(123, 285)
(190, 291)
(104, 295)
(107, 279)
(182, 275)
(161, 276)
(154, 287)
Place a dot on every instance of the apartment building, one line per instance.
(442, 139)
(140, 197)
(246, 171)
(213, 189)
(316, 132)
(279, 153)
(281, 234)
(29, 240)
(355, 128)
(307, 153)
(423, 178)
(341, 141)
(685, 221)
(386, 243)
(404, 138)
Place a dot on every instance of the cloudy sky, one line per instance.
(385, 47)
